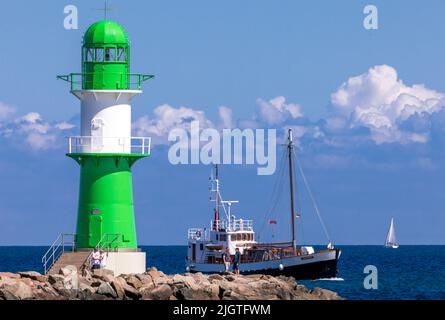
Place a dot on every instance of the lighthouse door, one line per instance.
(95, 230)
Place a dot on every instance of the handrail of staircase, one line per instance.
(56, 249)
(99, 246)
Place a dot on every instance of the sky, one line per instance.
(367, 108)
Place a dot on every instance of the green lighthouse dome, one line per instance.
(106, 57)
(105, 32)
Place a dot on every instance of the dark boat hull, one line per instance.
(302, 269)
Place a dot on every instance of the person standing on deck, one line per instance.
(226, 260)
(236, 261)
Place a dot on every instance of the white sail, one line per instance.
(391, 240)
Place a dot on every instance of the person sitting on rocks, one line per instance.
(236, 261)
(226, 260)
(95, 259)
(103, 259)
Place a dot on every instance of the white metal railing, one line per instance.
(98, 144)
(198, 234)
(57, 248)
(234, 225)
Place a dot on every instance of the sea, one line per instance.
(406, 273)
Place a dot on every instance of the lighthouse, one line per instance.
(105, 149)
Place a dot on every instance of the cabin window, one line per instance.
(121, 56)
(233, 237)
(201, 246)
(110, 54)
(238, 237)
(217, 237)
(89, 53)
(244, 237)
(223, 237)
(99, 57)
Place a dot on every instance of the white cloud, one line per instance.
(277, 111)
(64, 125)
(167, 118)
(32, 132)
(380, 101)
(225, 114)
(38, 141)
(6, 111)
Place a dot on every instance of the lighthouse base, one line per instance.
(126, 262)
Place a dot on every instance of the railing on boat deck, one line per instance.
(258, 256)
(233, 225)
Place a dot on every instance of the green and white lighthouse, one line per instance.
(105, 149)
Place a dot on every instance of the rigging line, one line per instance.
(276, 191)
(298, 193)
(313, 201)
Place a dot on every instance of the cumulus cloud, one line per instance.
(380, 101)
(373, 107)
(225, 114)
(277, 111)
(167, 118)
(33, 132)
(6, 111)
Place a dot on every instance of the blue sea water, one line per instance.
(410, 272)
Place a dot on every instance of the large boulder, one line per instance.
(102, 272)
(107, 290)
(323, 294)
(146, 280)
(6, 295)
(71, 277)
(124, 290)
(9, 275)
(163, 292)
(33, 275)
(134, 281)
(54, 278)
(154, 273)
(216, 277)
(20, 290)
(210, 292)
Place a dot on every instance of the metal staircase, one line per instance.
(63, 252)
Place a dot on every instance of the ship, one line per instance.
(227, 233)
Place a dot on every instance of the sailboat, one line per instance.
(227, 234)
(391, 241)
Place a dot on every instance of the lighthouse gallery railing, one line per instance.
(78, 81)
(89, 144)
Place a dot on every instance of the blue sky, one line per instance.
(370, 112)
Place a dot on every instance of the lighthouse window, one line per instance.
(88, 55)
(121, 55)
(99, 55)
(110, 54)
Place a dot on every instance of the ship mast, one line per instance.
(291, 180)
(216, 217)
